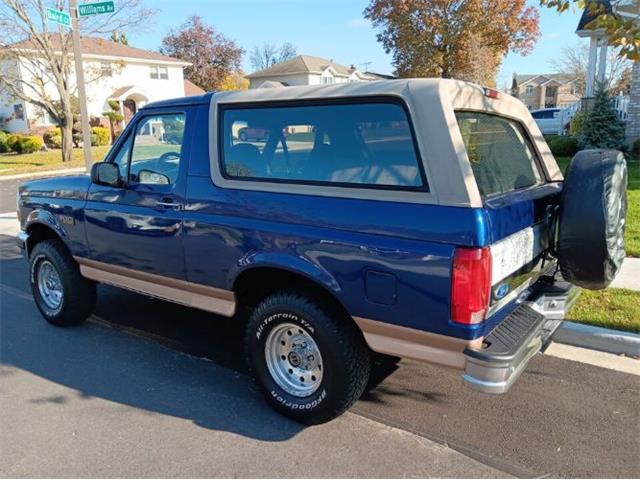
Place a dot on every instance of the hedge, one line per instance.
(4, 147)
(563, 146)
(100, 136)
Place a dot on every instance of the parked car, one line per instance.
(551, 121)
(253, 133)
(417, 218)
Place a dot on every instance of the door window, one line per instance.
(157, 146)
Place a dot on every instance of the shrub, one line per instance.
(53, 138)
(602, 127)
(12, 142)
(563, 146)
(635, 148)
(28, 144)
(576, 126)
(101, 134)
(4, 147)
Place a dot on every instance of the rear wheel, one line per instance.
(311, 363)
(63, 296)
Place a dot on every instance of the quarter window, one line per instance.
(157, 146)
(345, 144)
(501, 156)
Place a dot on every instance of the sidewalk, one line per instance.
(629, 276)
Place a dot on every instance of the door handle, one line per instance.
(169, 205)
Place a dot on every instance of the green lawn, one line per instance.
(632, 233)
(12, 163)
(611, 308)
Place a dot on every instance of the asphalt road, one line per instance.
(562, 418)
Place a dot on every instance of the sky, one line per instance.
(333, 29)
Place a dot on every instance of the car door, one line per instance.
(138, 225)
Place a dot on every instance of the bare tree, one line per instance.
(36, 58)
(574, 61)
(268, 54)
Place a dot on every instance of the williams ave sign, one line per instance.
(96, 8)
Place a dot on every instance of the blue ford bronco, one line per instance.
(420, 218)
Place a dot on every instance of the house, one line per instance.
(545, 90)
(113, 73)
(306, 70)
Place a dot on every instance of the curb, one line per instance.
(597, 338)
(45, 173)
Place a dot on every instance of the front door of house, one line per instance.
(129, 108)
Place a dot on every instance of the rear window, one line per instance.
(501, 156)
(359, 144)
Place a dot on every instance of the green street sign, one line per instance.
(63, 18)
(95, 8)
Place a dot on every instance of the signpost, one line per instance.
(58, 16)
(95, 8)
(71, 21)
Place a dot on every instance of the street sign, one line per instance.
(63, 18)
(95, 8)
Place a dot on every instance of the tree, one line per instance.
(235, 81)
(463, 39)
(212, 55)
(574, 61)
(119, 37)
(115, 117)
(37, 57)
(268, 54)
(622, 32)
(601, 126)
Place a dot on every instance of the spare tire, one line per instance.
(590, 241)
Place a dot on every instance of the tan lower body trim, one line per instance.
(193, 295)
(417, 344)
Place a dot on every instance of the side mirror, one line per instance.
(106, 173)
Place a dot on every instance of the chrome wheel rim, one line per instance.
(294, 360)
(49, 285)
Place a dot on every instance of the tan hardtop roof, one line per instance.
(432, 103)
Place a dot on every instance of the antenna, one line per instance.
(366, 66)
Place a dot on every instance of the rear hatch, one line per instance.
(519, 200)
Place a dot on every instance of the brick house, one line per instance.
(545, 90)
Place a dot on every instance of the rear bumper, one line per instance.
(506, 351)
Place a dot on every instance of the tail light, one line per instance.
(470, 285)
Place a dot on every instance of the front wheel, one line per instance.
(63, 296)
(311, 363)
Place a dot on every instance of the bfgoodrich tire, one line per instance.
(590, 244)
(63, 296)
(310, 362)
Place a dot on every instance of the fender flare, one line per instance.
(47, 219)
(289, 263)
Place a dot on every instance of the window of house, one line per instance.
(501, 156)
(342, 144)
(105, 69)
(158, 72)
(328, 80)
(529, 89)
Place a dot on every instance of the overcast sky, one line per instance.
(333, 29)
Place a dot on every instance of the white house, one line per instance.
(113, 71)
(306, 70)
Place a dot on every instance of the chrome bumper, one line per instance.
(526, 331)
(21, 240)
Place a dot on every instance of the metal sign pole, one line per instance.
(82, 97)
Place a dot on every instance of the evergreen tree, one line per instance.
(602, 127)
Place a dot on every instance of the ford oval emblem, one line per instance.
(501, 291)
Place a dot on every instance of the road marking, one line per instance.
(16, 292)
(594, 357)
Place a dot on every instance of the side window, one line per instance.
(502, 159)
(157, 145)
(367, 144)
(122, 157)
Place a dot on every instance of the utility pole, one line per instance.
(82, 96)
